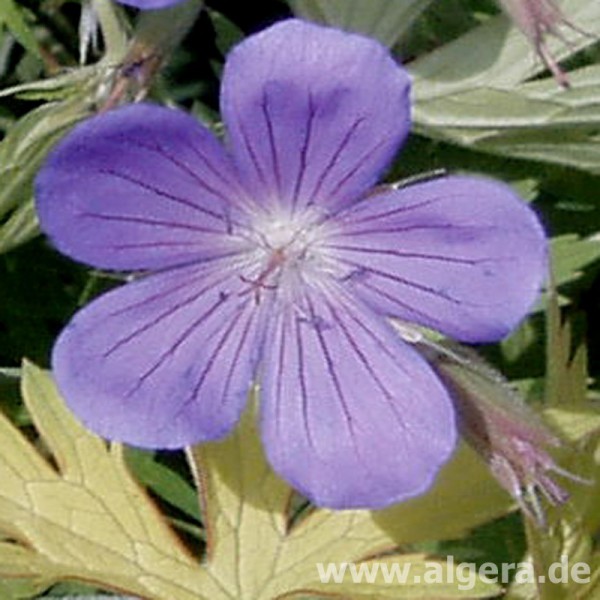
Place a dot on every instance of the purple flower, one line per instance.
(149, 4)
(269, 260)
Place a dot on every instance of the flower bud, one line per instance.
(503, 429)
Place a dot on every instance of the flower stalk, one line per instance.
(156, 35)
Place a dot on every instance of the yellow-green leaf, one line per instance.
(87, 519)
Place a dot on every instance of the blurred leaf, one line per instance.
(566, 369)
(114, 29)
(449, 510)
(533, 121)
(571, 255)
(55, 88)
(11, 15)
(163, 481)
(520, 341)
(21, 153)
(39, 291)
(20, 227)
(76, 591)
(10, 399)
(568, 538)
(18, 589)
(386, 20)
(575, 424)
(228, 34)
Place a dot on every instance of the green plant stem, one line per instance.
(113, 30)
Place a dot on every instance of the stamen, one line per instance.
(276, 261)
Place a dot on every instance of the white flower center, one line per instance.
(286, 251)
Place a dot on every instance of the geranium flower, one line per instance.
(268, 259)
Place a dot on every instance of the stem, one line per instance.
(157, 34)
(113, 31)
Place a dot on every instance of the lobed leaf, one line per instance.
(87, 519)
(73, 512)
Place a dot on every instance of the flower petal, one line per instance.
(163, 362)
(136, 188)
(351, 415)
(314, 114)
(464, 256)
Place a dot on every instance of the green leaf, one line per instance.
(17, 589)
(20, 227)
(566, 370)
(11, 14)
(21, 153)
(447, 511)
(167, 484)
(386, 20)
(86, 519)
(113, 27)
(575, 424)
(55, 88)
(227, 33)
(471, 92)
(533, 121)
(571, 254)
